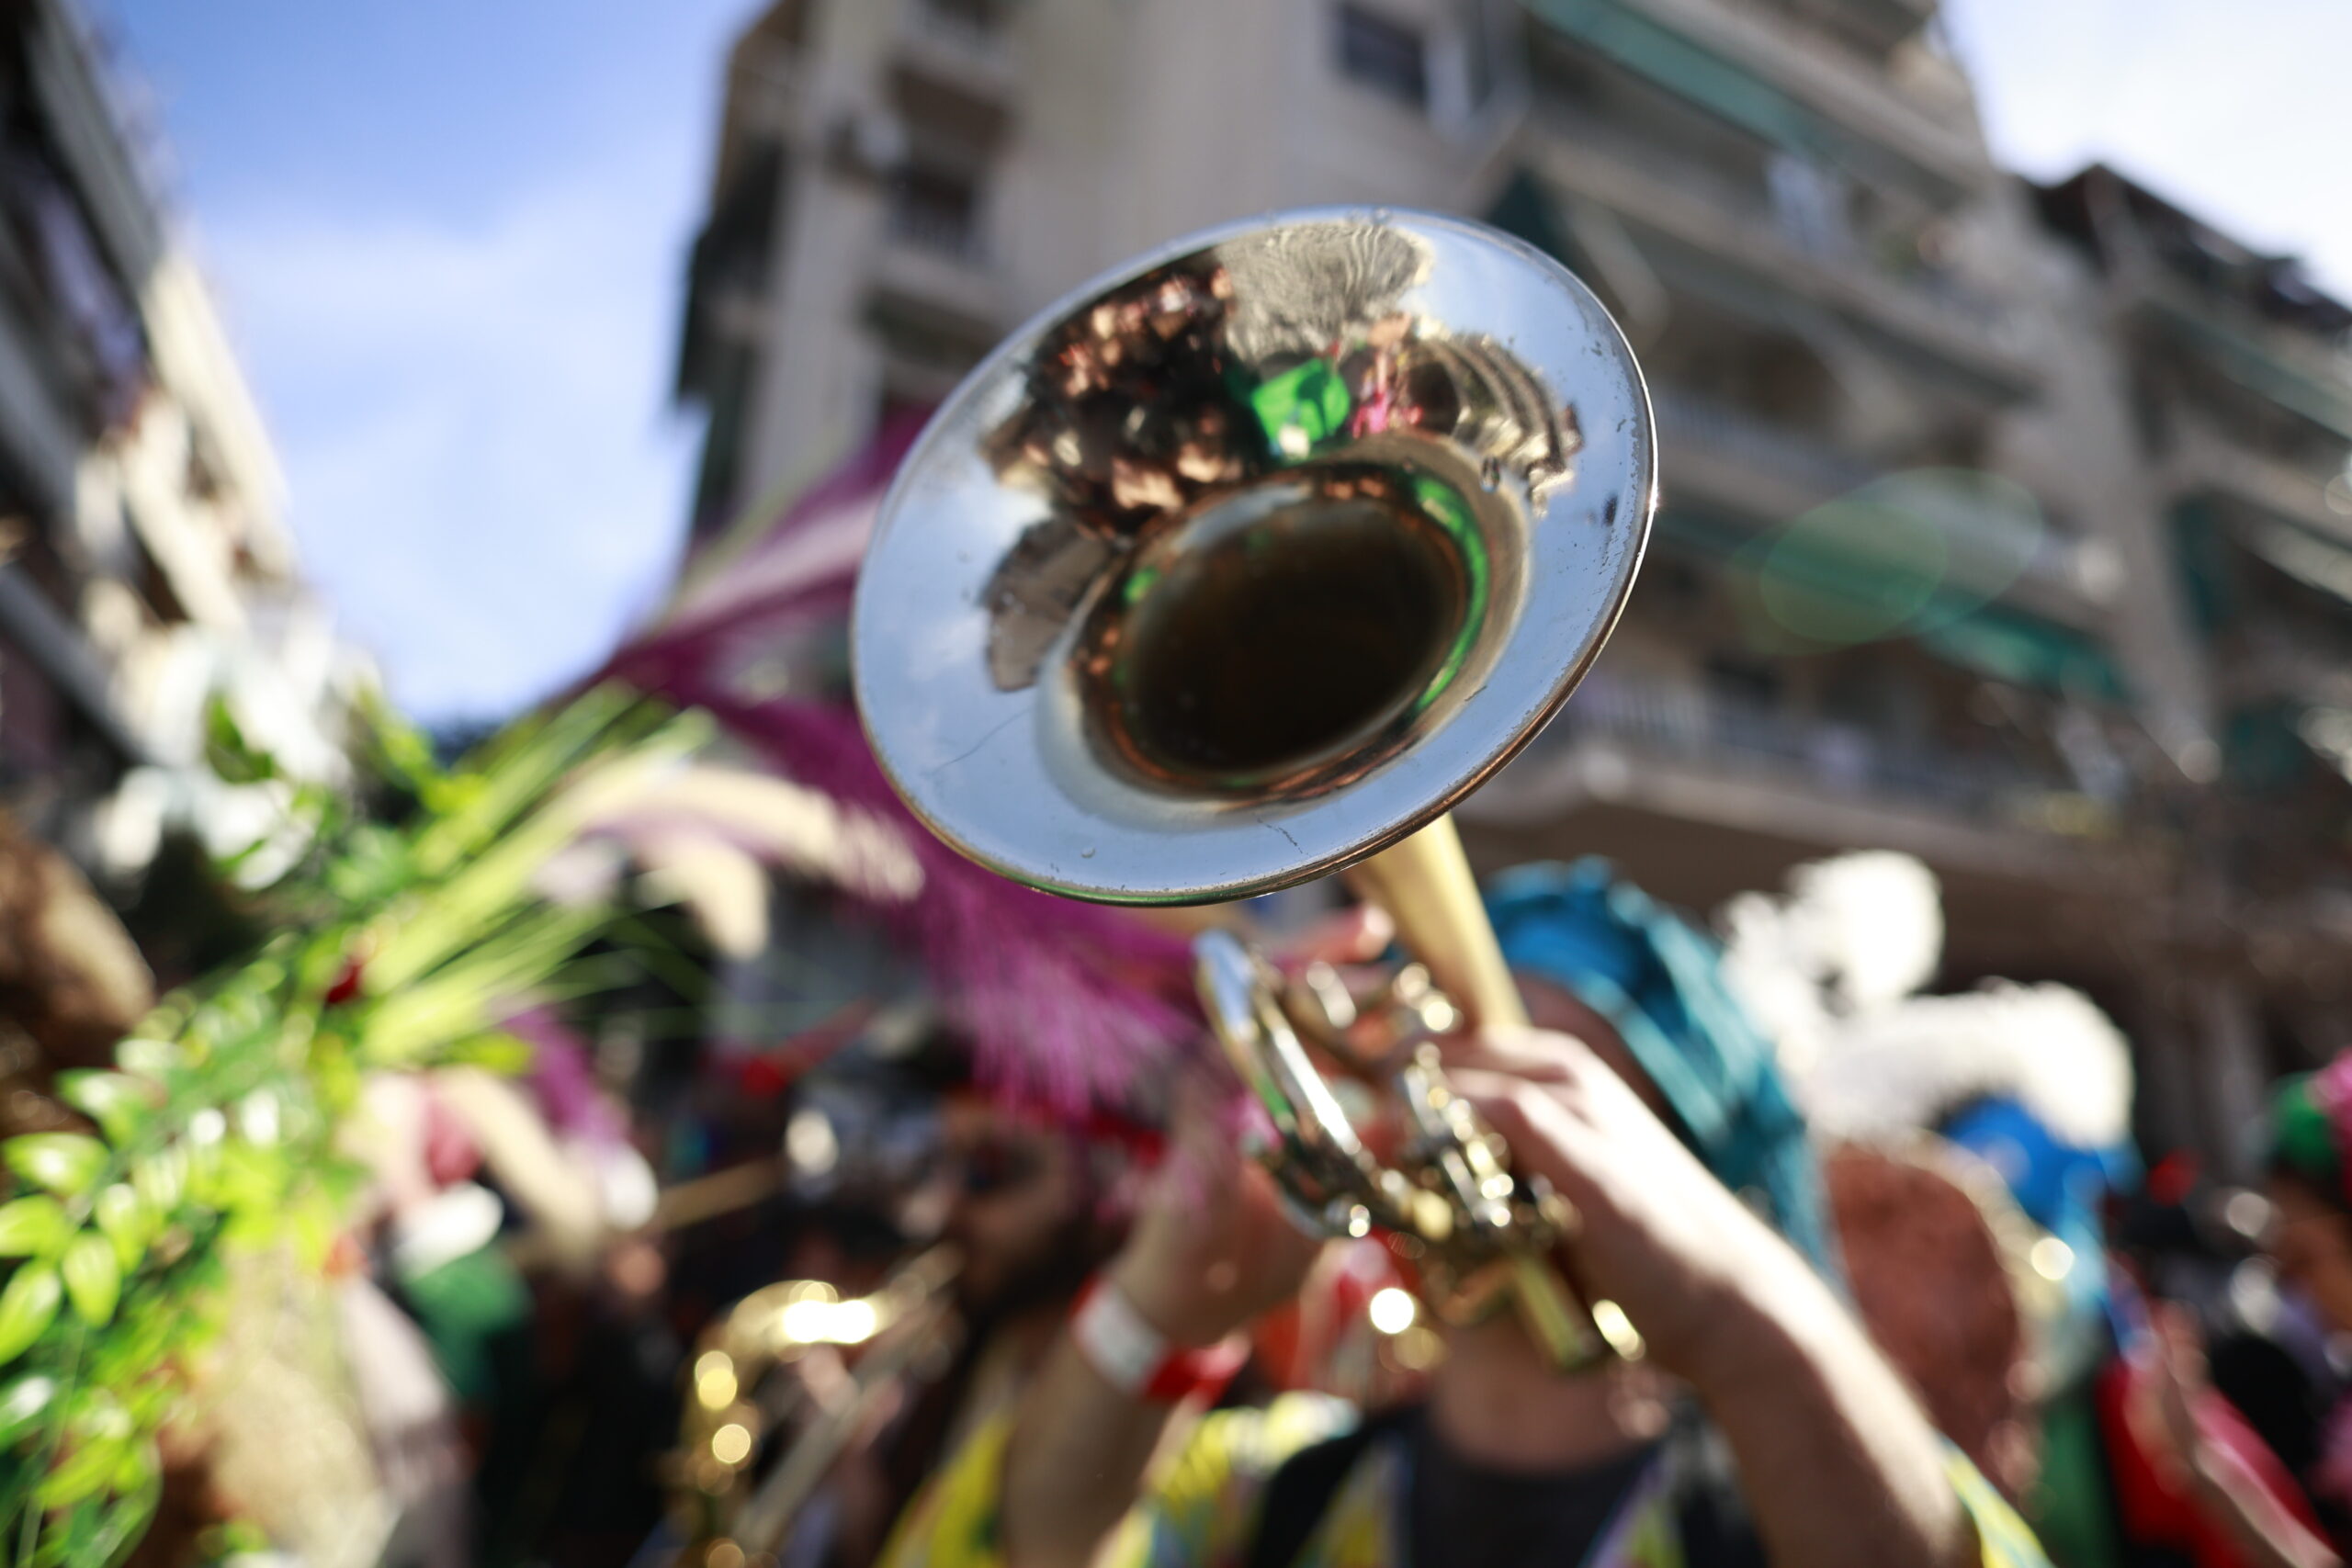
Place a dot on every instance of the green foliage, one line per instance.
(228, 752)
(27, 1306)
(21, 1404)
(214, 1133)
(124, 1221)
(116, 1102)
(93, 1277)
(66, 1163)
(33, 1228)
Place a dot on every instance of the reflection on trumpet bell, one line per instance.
(1247, 563)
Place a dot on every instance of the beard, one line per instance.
(1049, 1272)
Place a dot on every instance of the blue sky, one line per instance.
(2240, 110)
(447, 237)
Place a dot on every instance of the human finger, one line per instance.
(2181, 1344)
(1537, 1055)
(1356, 936)
(1544, 1134)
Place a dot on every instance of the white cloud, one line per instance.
(485, 479)
(2239, 111)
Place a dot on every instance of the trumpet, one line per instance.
(732, 1501)
(1242, 566)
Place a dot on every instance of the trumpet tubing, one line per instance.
(1425, 886)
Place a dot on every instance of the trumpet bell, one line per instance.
(1251, 558)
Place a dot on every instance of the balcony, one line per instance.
(1685, 753)
(1735, 464)
(960, 50)
(2206, 460)
(1730, 456)
(2285, 658)
(1730, 227)
(932, 265)
(1885, 23)
(1793, 88)
(1842, 759)
(1868, 30)
(2297, 370)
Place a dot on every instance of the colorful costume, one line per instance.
(1209, 1506)
(1308, 1482)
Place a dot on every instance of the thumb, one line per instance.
(1359, 935)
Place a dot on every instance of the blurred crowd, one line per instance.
(1881, 1276)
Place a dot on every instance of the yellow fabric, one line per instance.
(1196, 1509)
(2007, 1540)
(1201, 1509)
(952, 1523)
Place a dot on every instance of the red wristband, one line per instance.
(1136, 1359)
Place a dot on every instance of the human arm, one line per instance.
(2230, 1497)
(1837, 1462)
(1210, 1251)
(2221, 1485)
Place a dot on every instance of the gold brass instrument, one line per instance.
(1242, 566)
(727, 1507)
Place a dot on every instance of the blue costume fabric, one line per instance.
(1659, 980)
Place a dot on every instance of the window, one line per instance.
(937, 211)
(971, 23)
(1810, 203)
(977, 15)
(1748, 683)
(1384, 54)
(1477, 54)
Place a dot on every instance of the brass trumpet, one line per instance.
(733, 1500)
(1242, 566)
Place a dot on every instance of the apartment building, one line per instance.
(2232, 392)
(145, 571)
(1906, 589)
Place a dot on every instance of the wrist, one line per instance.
(1112, 1335)
(1756, 1328)
(1188, 1320)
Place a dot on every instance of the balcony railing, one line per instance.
(973, 48)
(1888, 23)
(938, 232)
(1696, 725)
(2204, 455)
(955, 27)
(1730, 214)
(1850, 99)
(933, 271)
(2308, 373)
(1686, 419)
(1992, 545)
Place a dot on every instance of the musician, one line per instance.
(1762, 1426)
(1032, 1210)
(2309, 1241)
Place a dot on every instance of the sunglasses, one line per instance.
(992, 1168)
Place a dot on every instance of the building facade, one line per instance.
(146, 576)
(1911, 585)
(2230, 392)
